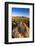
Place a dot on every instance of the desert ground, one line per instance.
(20, 27)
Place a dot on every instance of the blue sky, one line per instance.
(20, 11)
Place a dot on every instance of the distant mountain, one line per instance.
(20, 16)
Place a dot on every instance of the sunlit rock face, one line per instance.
(20, 31)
